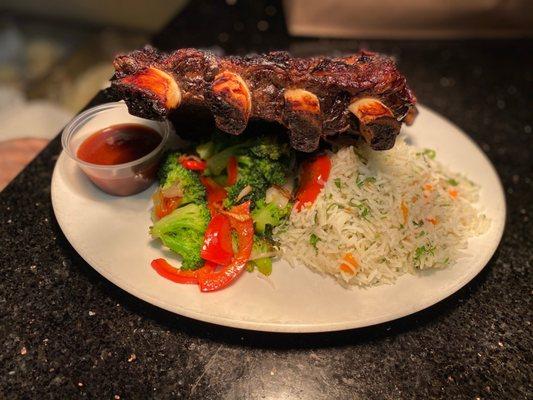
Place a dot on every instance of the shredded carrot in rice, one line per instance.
(427, 189)
(405, 212)
(434, 221)
(346, 269)
(351, 264)
(453, 193)
(350, 259)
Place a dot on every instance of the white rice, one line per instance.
(359, 212)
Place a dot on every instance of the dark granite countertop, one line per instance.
(67, 333)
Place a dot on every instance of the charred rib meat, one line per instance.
(363, 93)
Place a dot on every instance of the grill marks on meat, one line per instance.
(363, 93)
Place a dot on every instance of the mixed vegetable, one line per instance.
(217, 204)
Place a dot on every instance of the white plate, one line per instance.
(111, 234)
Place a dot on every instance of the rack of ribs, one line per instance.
(359, 94)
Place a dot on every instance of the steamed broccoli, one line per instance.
(269, 147)
(218, 162)
(268, 215)
(248, 176)
(234, 191)
(273, 171)
(263, 264)
(186, 182)
(218, 151)
(206, 149)
(182, 231)
(264, 164)
(270, 171)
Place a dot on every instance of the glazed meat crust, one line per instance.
(360, 94)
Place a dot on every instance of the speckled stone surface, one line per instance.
(67, 333)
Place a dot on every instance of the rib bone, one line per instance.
(231, 102)
(410, 116)
(158, 84)
(376, 122)
(302, 116)
(368, 109)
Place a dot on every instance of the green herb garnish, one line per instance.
(452, 182)
(313, 240)
(361, 182)
(364, 210)
(422, 251)
(430, 153)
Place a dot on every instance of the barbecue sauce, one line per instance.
(115, 146)
(118, 144)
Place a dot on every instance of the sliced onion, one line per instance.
(173, 190)
(289, 185)
(277, 195)
(190, 157)
(263, 255)
(245, 191)
(238, 217)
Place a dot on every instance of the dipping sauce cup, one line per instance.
(120, 179)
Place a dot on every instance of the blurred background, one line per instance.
(55, 55)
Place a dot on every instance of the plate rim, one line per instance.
(281, 327)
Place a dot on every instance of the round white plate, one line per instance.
(111, 234)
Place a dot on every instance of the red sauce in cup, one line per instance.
(120, 144)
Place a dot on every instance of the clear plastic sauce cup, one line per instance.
(120, 179)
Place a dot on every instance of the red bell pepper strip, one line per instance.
(217, 246)
(163, 268)
(313, 177)
(193, 163)
(244, 228)
(232, 171)
(215, 194)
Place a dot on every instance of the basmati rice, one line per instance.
(383, 214)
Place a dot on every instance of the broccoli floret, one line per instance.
(261, 246)
(219, 152)
(171, 161)
(172, 174)
(205, 150)
(219, 161)
(248, 176)
(269, 147)
(268, 215)
(270, 158)
(260, 174)
(262, 162)
(234, 191)
(273, 171)
(264, 264)
(182, 231)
